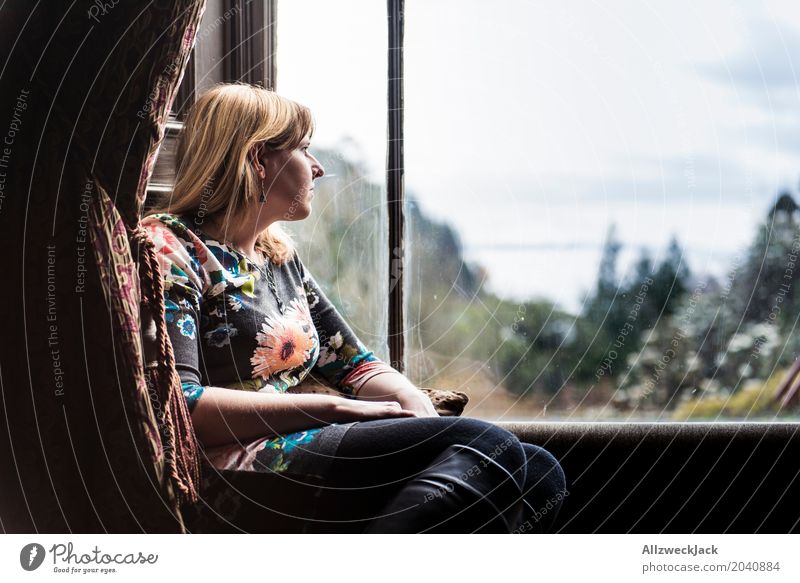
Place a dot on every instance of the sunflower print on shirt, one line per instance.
(285, 342)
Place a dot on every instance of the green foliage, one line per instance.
(534, 353)
(617, 315)
(755, 399)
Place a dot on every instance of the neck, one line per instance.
(242, 238)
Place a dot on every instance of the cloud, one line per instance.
(781, 137)
(767, 72)
(701, 178)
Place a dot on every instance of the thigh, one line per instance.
(390, 451)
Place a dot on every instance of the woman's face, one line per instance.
(289, 181)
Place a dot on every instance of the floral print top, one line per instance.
(227, 330)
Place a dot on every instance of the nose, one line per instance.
(317, 170)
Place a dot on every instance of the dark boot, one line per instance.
(463, 490)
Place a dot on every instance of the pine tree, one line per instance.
(771, 275)
(670, 281)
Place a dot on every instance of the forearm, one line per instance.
(225, 415)
(387, 386)
(396, 387)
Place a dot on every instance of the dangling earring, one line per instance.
(263, 196)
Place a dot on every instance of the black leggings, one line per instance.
(377, 459)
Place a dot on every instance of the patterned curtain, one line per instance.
(91, 439)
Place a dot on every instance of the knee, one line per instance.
(545, 489)
(493, 441)
(544, 468)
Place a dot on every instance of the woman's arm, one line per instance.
(395, 386)
(227, 416)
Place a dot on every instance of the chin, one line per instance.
(299, 213)
(302, 212)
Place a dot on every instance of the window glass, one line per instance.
(209, 50)
(602, 206)
(332, 58)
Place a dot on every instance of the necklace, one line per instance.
(270, 276)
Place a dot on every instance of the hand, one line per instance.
(417, 401)
(354, 410)
(397, 386)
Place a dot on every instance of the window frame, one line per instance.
(395, 181)
(248, 49)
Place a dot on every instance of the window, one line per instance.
(602, 207)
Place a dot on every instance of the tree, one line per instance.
(771, 272)
(670, 281)
(605, 311)
(606, 289)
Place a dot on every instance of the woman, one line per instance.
(244, 313)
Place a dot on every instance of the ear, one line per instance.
(254, 155)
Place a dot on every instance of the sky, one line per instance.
(531, 126)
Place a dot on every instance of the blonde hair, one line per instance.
(214, 176)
